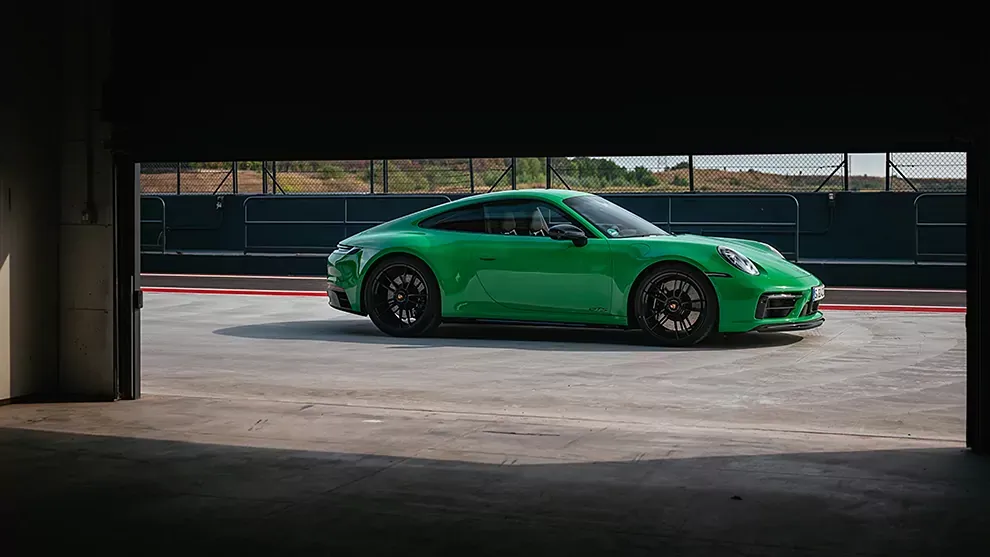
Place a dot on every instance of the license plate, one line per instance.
(817, 293)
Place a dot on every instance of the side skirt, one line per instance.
(524, 322)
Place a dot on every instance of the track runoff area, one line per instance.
(836, 299)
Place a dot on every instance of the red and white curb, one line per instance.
(880, 307)
(321, 293)
(231, 291)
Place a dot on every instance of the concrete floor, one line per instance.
(277, 425)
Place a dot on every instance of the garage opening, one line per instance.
(235, 262)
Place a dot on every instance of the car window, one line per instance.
(613, 220)
(525, 217)
(464, 219)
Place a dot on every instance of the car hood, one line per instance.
(758, 252)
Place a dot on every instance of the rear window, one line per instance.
(465, 219)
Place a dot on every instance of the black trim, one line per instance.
(338, 299)
(809, 308)
(776, 305)
(782, 327)
(524, 322)
(719, 275)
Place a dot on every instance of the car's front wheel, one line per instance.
(676, 305)
(402, 297)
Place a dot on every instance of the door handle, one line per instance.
(488, 259)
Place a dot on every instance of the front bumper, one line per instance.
(791, 326)
(779, 308)
(338, 299)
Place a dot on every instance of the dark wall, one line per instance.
(396, 105)
(832, 226)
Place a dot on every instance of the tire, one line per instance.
(676, 305)
(402, 297)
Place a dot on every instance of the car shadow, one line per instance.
(495, 336)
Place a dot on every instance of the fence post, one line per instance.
(513, 164)
(384, 175)
(548, 172)
(691, 173)
(178, 178)
(233, 170)
(264, 177)
(274, 179)
(845, 171)
(886, 180)
(371, 176)
(471, 173)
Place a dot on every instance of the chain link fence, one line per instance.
(293, 177)
(922, 172)
(444, 175)
(769, 173)
(621, 174)
(927, 172)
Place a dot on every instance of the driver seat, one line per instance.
(537, 224)
(509, 224)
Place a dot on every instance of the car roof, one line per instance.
(528, 193)
(506, 195)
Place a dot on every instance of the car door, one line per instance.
(522, 268)
(456, 237)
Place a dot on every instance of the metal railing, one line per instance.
(162, 235)
(747, 226)
(919, 225)
(345, 222)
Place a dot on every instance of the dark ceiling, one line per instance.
(729, 95)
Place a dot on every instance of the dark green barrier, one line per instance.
(819, 228)
(315, 223)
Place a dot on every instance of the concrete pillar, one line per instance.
(56, 215)
(86, 229)
(29, 199)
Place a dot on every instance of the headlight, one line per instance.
(738, 260)
(775, 250)
(346, 250)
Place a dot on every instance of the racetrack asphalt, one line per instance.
(279, 425)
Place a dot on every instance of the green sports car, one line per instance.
(563, 257)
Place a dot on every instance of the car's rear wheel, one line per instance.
(402, 297)
(676, 305)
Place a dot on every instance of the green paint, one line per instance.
(489, 265)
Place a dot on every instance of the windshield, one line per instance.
(611, 219)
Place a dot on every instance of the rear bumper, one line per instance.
(791, 326)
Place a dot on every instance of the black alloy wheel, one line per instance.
(402, 297)
(676, 305)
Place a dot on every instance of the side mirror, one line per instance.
(568, 232)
